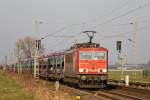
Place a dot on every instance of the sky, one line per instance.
(111, 19)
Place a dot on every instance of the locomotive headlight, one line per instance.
(83, 70)
(104, 70)
(99, 70)
(83, 77)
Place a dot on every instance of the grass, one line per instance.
(133, 75)
(10, 90)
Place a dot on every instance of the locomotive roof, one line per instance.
(85, 45)
(100, 48)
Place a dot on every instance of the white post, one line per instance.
(18, 65)
(122, 68)
(35, 63)
(127, 80)
(57, 85)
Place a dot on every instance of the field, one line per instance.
(15, 86)
(134, 75)
(10, 90)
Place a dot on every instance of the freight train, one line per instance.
(84, 64)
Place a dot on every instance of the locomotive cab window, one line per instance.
(99, 55)
(92, 55)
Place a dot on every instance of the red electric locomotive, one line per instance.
(84, 64)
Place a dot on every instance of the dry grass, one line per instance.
(10, 90)
(39, 89)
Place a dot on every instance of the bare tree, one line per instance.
(25, 47)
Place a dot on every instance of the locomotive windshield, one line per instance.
(92, 55)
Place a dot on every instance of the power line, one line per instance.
(107, 21)
(69, 38)
(122, 15)
(59, 30)
(103, 37)
(125, 24)
(63, 36)
(125, 33)
(114, 10)
(110, 36)
(112, 19)
(108, 14)
(51, 34)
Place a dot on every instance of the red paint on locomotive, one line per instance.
(92, 60)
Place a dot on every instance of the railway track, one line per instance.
(99, 94)
(116, 96)
(136, 92)
(132, 89)
(115, 93)
(140, 85)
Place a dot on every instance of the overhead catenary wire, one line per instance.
(51, 34)
(105, 22)
(125, 33)
(126, 24)
(102, 36)
(122, 15)
(83, 24)
(63, 36)
(108, 14)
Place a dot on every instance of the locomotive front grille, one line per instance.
(92, 79)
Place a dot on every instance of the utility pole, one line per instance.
(135, 44)
(36, 48)
(5, 60)
(18, 64)
(135, 47)
(14, 60)
(18, 58)
(5, 66)
(36, 67)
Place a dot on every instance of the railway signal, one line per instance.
(38, 44)
(120, 57)
(119, 46)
